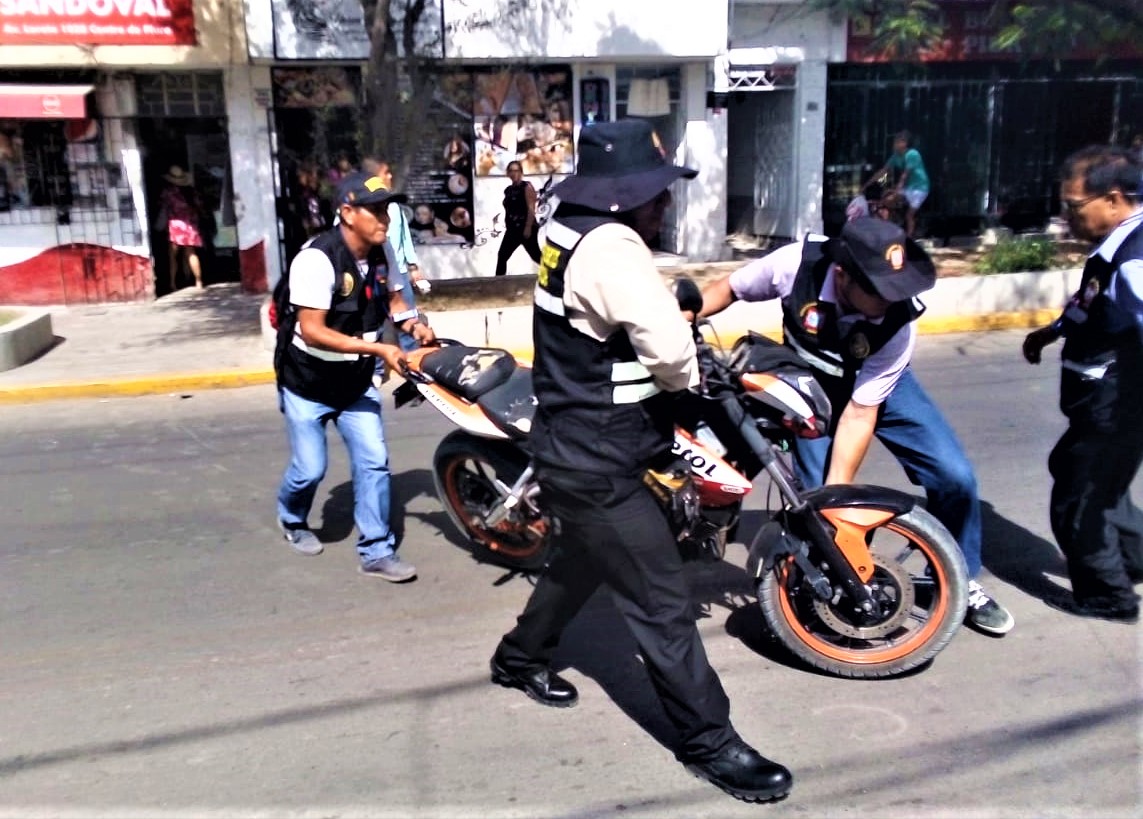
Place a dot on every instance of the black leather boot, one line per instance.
(543, 685)
(744, 773)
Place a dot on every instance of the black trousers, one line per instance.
(513, 238)
(612, 531)
(1098, 528)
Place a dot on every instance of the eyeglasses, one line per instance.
(1074, 206)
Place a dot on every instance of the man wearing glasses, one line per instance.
(327, 346)
(1098, 528)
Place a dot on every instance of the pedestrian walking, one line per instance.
(519, 219)
(1096, 524)
(849, 309)
(324, 361)
(610, 349)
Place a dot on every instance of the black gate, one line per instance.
(992, 136)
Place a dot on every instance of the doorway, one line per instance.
(200, 147)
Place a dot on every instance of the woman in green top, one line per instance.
(908, 176)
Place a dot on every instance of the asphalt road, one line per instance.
(163, 654)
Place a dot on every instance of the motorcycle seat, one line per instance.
(511, 405)
(470, 372)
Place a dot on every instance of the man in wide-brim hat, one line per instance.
(849, 309)
(611, 349)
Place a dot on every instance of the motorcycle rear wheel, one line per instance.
(472, 475)
(920, 580)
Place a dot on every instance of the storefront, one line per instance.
(772, 85)
(84, 153)
(504, 94)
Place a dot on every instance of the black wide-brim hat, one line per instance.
(620, 166)
(896, 266)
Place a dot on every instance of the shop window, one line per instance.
(33, 166)
(180, 95)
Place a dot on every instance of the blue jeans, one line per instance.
(913, 429)
(360, 426)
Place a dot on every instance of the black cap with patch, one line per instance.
(364, 189)
(896, 266)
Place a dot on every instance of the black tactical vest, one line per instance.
(339, 379)
(598, 409)
(1094, 325)
(810, 327)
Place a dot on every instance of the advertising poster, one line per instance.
(523, 116)
(318, 87)
(320, 30)
(440, 178)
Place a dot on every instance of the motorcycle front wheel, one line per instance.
(472, 477)
(920, 581)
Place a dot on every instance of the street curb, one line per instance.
(133, 386)
(158, 384)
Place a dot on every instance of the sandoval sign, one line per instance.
(97, 22)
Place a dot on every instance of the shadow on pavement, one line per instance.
(1020, 557)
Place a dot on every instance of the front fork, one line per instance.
(511, 497)
(812, 527)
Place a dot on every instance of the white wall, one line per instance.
(785, 33)
(250, 163)
(564, 29)
(702, 228)
(790, 31)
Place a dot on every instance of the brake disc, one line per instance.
(892, 587)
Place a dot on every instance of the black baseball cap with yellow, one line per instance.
(896, 266)
(365, 189)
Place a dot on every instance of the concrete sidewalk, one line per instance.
(196, 340)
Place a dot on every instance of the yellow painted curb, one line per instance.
(141, 385)
(192, 382)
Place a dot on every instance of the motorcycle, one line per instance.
(855, 580)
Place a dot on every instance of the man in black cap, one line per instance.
(324, 361)
(611, 349)
(848, 309)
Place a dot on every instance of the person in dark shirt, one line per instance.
(519, 219)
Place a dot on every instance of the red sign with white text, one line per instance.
(97, 22)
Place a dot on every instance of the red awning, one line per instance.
(43, 101)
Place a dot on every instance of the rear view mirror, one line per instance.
(688, 295)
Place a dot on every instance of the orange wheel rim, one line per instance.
(892, 651)
(485, 536)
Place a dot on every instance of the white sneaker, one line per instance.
(985, 614)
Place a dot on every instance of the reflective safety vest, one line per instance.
(598, 408)
(333, 378)
(810, 327)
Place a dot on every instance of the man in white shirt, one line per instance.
(324, 362)
(849, 309)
